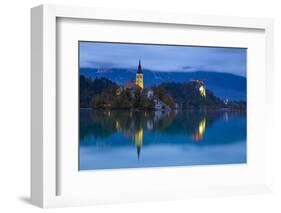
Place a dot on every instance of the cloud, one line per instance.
(101, 64)
(163, 57)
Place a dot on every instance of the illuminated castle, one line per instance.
(201, 88)
(139, 77)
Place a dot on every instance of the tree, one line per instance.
(161, 93)
(90, 88)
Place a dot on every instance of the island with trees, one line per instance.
(101, 93)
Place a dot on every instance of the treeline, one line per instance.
(186, 95)
(102, 93)
(90, 88)
(121, 99)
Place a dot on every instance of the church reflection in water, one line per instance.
(139, 125)
(137, 139)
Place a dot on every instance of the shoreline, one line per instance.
(157, 110)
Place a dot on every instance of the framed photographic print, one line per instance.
(130, 106)
(159, 111)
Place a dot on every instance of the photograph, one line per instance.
(161, 105)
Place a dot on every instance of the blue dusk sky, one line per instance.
(163, 57)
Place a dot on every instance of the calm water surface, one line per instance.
(123, 139)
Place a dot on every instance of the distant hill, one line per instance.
(186, 95)
(223, 85)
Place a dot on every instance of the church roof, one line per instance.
(130, 84)
(139, 68)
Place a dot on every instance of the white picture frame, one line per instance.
(44, 135)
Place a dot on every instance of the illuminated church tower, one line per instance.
(139, 76)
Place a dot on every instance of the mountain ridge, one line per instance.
(224, 85)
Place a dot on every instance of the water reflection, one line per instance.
(199, 132)
(137, 139)
(104, 134)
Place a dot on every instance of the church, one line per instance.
(139, 77)
(139, 82)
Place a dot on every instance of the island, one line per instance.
(102, 93)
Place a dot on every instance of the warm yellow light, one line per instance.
(139, 80)
(118, 91)
(138, 137)
(198, 135)
(202, 91)
(117, 124)
(202, 126)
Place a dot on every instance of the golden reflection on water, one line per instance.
(199, 132)
(137, 139)
(117, 125)
(134, 125)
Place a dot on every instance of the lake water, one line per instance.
(129, 139)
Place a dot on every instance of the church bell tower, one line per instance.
(139, 77)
